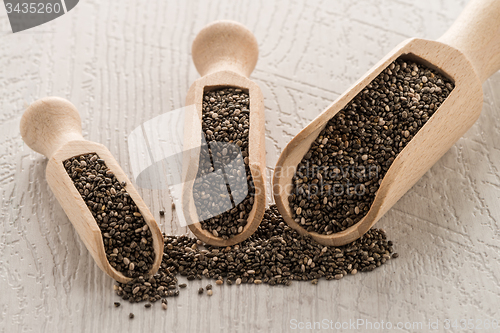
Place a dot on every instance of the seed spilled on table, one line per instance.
(128, 242)
(225, 124)
(275, 255)
(338, 178)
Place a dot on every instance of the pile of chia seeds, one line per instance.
(275, 254)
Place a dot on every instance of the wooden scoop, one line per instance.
(468, 53)
(52, 126)
(225, 53)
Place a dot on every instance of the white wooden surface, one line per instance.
(124, 62)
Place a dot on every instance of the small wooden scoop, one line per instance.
(468, 53)
(225, 53)
(52, 126)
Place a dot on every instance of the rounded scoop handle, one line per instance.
(476, 33)
(225, 45)
(49, 123)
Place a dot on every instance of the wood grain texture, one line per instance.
(476, 34)
(122, 63)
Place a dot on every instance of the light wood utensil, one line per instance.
(225, 53)
(468, 53)
(52, 126)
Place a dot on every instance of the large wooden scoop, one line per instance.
(468, 53)
(52, 126)
(224, 53)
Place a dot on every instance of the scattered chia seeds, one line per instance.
(337, 180)
(225, 123)
(128, 242)
(131, 315)
(275, 254)
(200, 291)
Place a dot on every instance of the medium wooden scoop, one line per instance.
(468, 53)
(225, 53)
(52, 126)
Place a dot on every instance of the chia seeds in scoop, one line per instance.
(224, 210)
(337, 180)
(128, 242)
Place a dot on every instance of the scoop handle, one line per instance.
(49, 123)
(225, 45)
(476, 33)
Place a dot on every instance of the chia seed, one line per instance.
(275, 255)
(338, 178)
(225, 124)
(128, 242)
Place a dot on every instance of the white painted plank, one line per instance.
(125, 62)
